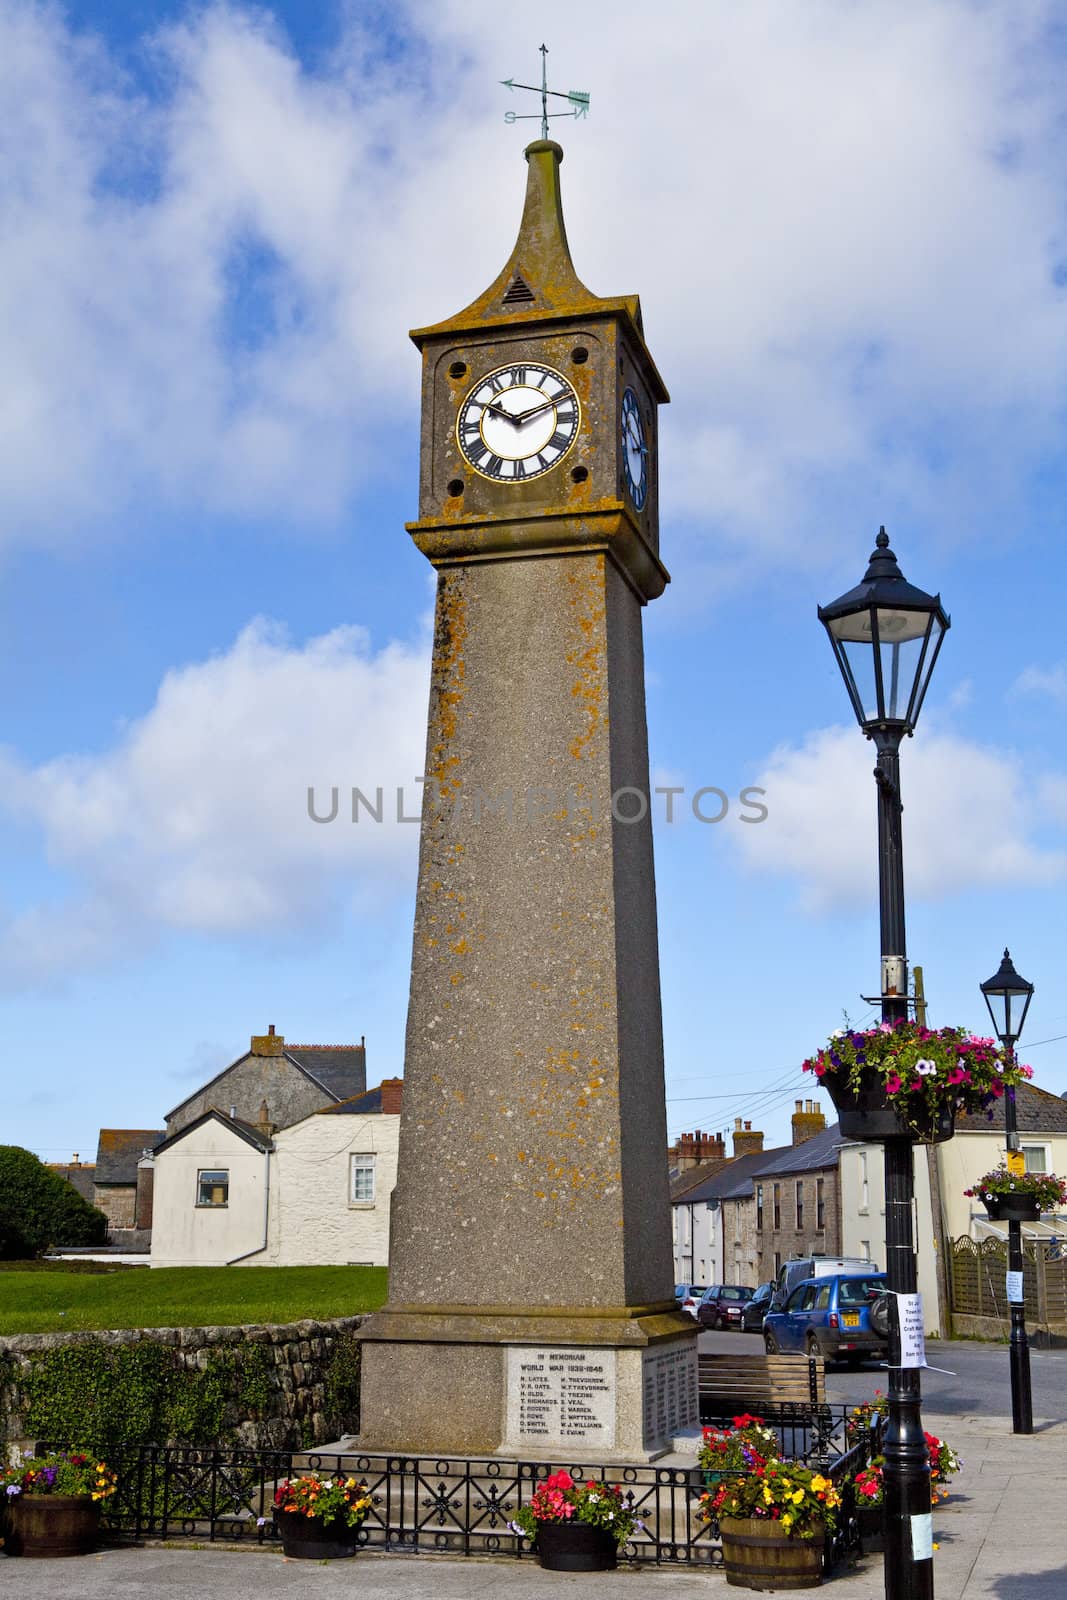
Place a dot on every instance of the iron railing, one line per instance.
(421, 1504)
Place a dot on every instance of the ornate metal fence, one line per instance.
(421, 1504)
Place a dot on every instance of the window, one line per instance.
(362, 1191)
(737, 1222)
(820, 1205)
(865, 1248)
(865, 1194)
(1036, 1157)
(800, 1204)
(759, 1208)
(777, 1262)
(777, 1193)
(213, 1188)
(822, 1299)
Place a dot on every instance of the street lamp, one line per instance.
(886, 635)
(1008, 997)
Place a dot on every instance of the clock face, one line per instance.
(634, 449)
(518, 422)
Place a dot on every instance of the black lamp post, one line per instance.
(1008, 997)
(886, 635)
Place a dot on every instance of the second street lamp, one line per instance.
(886, 635)
(1008, 997)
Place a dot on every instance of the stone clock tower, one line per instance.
(531, 1306)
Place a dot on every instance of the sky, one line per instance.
(848, 228)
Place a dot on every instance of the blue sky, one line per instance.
(848, 228)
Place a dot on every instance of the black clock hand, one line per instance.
(533, 411)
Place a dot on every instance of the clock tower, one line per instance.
(531, 1309)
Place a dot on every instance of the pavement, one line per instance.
(1002, 1535)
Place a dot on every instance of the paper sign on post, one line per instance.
(912, 1333)
(1016, 1163)
(1014, 1282)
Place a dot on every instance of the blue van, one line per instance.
(844, 1316)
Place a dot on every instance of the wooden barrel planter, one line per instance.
(576, 1547)
(1011, 1208)
(757, 1554)
(867, 1113)
(311, 1539)
(46, 1525)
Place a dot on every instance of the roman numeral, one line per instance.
(560, 439)
(497, 383)
(520, 469)
(565, 411)
(518, 377)
(493, 466)
(478, 451)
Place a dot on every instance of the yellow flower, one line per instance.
(796, 1498)
(787, 1521)
(818, 1483)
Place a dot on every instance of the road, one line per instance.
(976, 1382)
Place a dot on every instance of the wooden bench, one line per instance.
(731, 1383)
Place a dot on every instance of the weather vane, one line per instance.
(578, 98)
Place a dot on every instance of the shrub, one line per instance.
(39, 1209)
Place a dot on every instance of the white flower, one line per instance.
(925, 1067)
(838, 1033)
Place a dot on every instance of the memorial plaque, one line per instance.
(670, 1394)
(562, 1400)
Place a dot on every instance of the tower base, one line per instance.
(604, 1384)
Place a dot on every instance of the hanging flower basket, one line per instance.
(901, 1080)
(1018, 1196)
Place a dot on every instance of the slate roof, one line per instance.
(81, 1176)
(1036, 1111)
(119, 1150)
(357, 1105)
(811, 1155)
(731, 1182)
(244, 1130)
(340, 1068)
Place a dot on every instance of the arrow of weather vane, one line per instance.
(578, 99)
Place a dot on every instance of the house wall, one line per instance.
(862, 1178)
(697, 1241)
(187, 1234)
(313, 1219)
(764, 1249)
(289, 1093)
(118, 1202)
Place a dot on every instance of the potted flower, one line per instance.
(870, 1499)
(320, 1518)
(901, 1079)
(1019, 1196)
(576, 1527)
(867, 1416)
(943, 1463)
(773, 1521)
(53, 1503)
(748, 1443)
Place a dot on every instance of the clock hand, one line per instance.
(533, 411)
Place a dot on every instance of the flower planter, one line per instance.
(45, 1525)
(576, 1547)
(758, 1554)
(870, 1521)
(311, 1539)
(1011, 1207)
(867, 1113)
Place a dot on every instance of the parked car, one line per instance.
(790, 1273)
(688, 1296)
(754, 1310)
(722, 1305)
(844, 1316)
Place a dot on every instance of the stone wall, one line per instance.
(298, 1360)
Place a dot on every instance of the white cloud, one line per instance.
(970, 820)
(1051, 681)
(844, 221)
(197, 820)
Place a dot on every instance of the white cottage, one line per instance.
(232, 1193)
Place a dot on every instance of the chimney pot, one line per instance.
(748, 1126)
(737, 1122)
(799, 1104)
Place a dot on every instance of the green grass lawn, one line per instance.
(167, 1297)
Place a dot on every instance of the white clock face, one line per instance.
(518, 422)
(634, 449)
